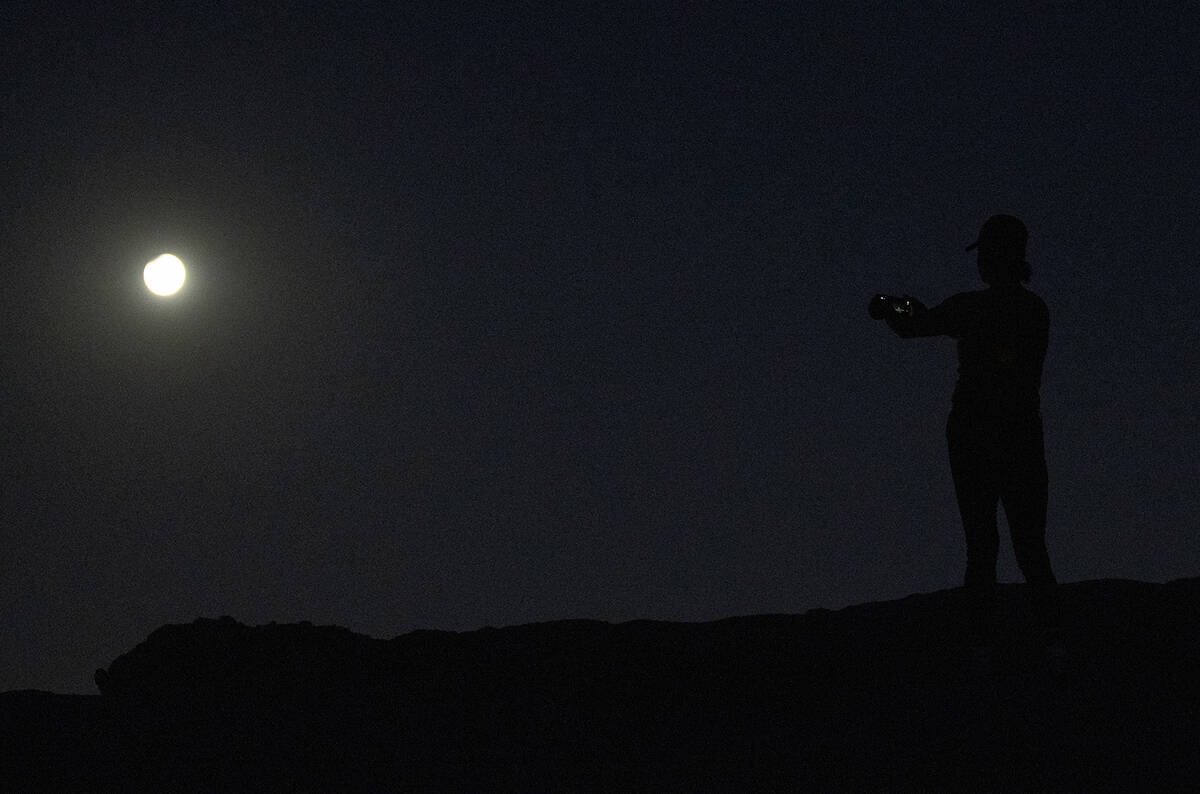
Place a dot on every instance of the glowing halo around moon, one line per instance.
(164, 275)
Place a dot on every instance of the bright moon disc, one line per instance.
(164, 275)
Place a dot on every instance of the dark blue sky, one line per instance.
(558, 310)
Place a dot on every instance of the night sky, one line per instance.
(502, 315)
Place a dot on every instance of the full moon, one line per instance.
(164, 274)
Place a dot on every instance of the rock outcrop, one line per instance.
(878, 696)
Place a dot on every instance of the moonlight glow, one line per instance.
(164, 275)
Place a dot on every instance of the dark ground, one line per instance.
(874, 697)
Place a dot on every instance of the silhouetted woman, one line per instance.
(995, 427)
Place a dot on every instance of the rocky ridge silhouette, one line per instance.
(876, 696)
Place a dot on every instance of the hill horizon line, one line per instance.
(880, 695)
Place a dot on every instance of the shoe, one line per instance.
(1057, 657)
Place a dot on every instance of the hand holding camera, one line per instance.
(883, 306)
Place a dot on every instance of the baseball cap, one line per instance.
(1003, 231)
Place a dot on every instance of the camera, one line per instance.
(883, 305)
